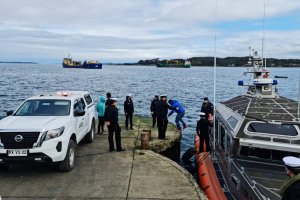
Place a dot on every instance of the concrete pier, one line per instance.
(133, 174)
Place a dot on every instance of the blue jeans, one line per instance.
(178, 119)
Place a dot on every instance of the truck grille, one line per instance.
(8, 139)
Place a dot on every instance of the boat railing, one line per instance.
(250, 182)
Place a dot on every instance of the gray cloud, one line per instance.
(128, 30)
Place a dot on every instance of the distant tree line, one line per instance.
(228, 61)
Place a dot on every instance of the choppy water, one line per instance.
(189, 86)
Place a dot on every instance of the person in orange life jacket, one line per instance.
(112, 122)
(203, 132)
(128, 110)
(290, 190)
(179, 109)
(154, 110)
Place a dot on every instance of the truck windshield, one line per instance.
(44, 107)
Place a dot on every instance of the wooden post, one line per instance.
(145, 140)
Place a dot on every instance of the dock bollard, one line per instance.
(145, 140)
(148, 130)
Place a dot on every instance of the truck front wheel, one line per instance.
(68, 163)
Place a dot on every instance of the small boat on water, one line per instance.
(69, 63)
(276, 76)
(253, 133)
(174, 64)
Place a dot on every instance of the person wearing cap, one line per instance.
(203, 132)
(162, 120)
(179, 109)
(153, 109)
(101, 109)
(290, 190)
(207, 107)
(112, 122)
(108, 101)
(128, 110)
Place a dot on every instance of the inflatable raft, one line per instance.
(207, 176)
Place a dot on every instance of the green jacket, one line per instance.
(101, 106)
(290, 186)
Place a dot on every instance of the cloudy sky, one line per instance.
(130, 30)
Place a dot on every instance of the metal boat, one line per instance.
(69, 63)
(253, 133)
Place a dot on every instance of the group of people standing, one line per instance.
(159, 110)
(108, 115)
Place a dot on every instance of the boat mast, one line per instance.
(298, 98)
(215, 76)
(263, 38)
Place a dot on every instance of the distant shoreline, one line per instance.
(17, 62)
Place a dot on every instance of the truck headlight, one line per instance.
(54, 133)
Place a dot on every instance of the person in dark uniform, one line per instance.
(128, 110)
(207, 107)
(162, 120)
(203, 132)
(153, 109)
(291, 188)
(112, 122)
(108, 99)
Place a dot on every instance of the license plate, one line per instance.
(19, 152)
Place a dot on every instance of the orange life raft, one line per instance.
(207, 176)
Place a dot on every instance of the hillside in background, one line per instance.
(228, 61)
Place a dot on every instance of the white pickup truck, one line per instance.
(47, 128)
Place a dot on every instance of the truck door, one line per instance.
(79, 119)
(86, 118)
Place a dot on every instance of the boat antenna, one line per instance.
(215, 76)
(263, 36)
(298, 99)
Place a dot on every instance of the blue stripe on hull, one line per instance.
(86, 66)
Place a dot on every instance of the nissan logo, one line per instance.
(18, 138)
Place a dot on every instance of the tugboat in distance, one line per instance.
(69, 63)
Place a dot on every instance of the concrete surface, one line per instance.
(98, 174)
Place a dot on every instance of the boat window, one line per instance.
(246, 151)
(222, 138)
(232, 122)
(270, 128)
(217, 131)
(228, 143)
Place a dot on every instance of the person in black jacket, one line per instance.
(162, 116)
(153, 109)
(128, 110)
(108, 101)
(207, 107)
(291, 188)
(203, 132)
(112, 122)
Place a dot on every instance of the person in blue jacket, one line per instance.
(101, 109)
(179, 109)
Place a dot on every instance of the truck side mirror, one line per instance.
(10, 112)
